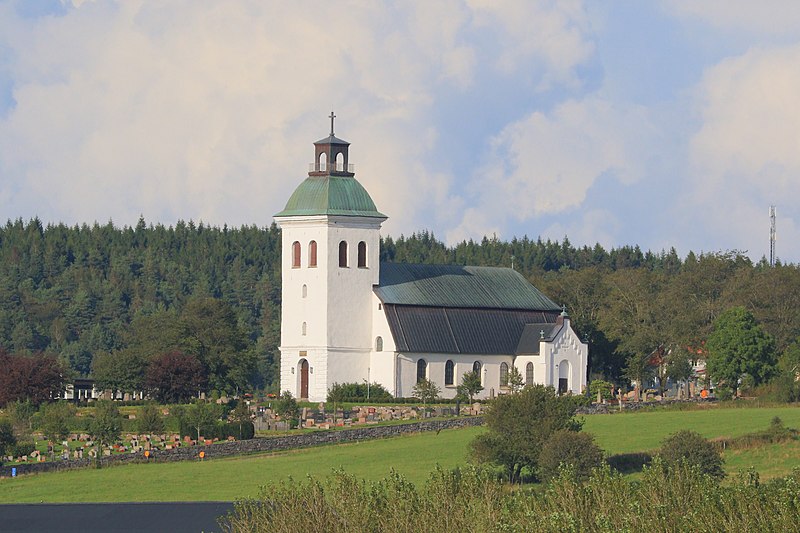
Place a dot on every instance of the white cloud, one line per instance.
(208, 111)
(544, 164)
(554, 32)
(770, 17)
(746, 156)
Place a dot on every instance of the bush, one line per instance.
(56, 419)
(570, 448)
(22, 448)
(7, 438)
(601, 386)
(106, 426)
(692, 448)
(518, 425)
(357, 392)
(220, 430)
(150, 420)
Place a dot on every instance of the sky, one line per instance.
(662, 124)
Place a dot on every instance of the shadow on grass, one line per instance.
(629, 463)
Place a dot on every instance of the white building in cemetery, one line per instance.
(347, 318)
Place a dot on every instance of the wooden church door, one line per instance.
(304, 379)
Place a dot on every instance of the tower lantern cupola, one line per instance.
(330, 156)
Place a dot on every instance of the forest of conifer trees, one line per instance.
(101, 298)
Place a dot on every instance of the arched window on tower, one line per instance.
(529, 374)
(362, 254)
(321, 163)
(422, 370)
(304, 329)
(304, 291)
(295, 254)
(449, 372)
(340, 162)
(378, 344)
(343, 254)
(504, 374)
(312, 254)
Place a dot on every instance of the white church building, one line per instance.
(347, 317)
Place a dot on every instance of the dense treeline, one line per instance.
(93, 295)
(84, 291)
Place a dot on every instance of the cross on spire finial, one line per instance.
(332, 116)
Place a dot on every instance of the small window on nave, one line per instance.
(503, 374)
(379, 344)
(529, 374)
(422, 370)
(449, 372)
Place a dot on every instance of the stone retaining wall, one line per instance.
(263, 444)
(613, 406)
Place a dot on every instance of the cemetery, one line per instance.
(311, 427)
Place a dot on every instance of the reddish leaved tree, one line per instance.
(37, 377)
(175, 376)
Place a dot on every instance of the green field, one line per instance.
(414, 456)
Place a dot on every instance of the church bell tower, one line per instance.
(330, 237)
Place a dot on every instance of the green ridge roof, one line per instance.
(330, 195)
(459, 286)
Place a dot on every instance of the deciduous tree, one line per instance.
(738, 347)
(56, 419)
(106, 424)
(518, 425)
(470, 384)
(426, 390)
(150, 420)
(38, 378)
(174, 377)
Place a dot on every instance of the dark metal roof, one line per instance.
(459, 286)
(533, 334)
(330, 139)
(424, 329)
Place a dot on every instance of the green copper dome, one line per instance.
(330, 195)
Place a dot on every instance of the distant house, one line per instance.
(346, 317)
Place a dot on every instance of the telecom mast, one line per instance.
(772, 235)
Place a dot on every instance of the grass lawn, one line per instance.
(415, 456)
(644, 431)
(770, 461)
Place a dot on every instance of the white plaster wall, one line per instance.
(382, 364)
(566, 346)
(407, 372)
(336, 308)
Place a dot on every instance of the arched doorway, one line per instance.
(563, 377)
(303, 379)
